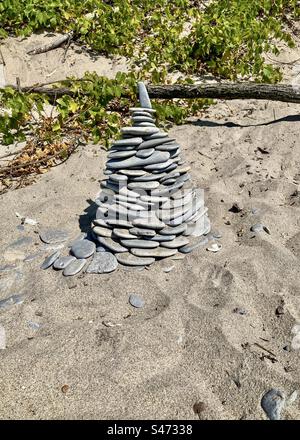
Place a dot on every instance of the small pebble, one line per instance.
(103, 262)
(136, 301)
(83, 248)
(53, 236)
(214, 247)
(50, 260)
(272, 403)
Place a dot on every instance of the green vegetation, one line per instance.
(226, 39)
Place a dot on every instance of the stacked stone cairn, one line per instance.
(147, 206)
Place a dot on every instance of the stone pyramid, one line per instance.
(147, 206)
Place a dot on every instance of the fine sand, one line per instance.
(96, 357)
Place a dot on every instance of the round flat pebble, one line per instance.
(131, 260)
(103, 232)
(83, 249)
(176, 243)
(63, 262)
(102, 262)
(136, 243)
(53, 236)
(136, 301)
(272, 403)
(50, 260)
(155, 253)
(75, 267)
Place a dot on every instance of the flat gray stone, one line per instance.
(111, 244)
(190, 247)
(159, 166)
(119, 223)
(163, 190)
(180, 229)
(154, 199)
(75, 267)
(136, 243)
(144, 185)
(11, 300)
(160, 238)
(139, 131)
(83, 249)
(121, 154)
(172, 204)
(148, 177)
(50, 260)
(78, 238)
(178, 242)
(103, 232)
(272, 403)
(102, 262)
(131, 260)
(133, 173)
(100, 222)
(144, 124)
(169, 168)
(143, 95)
(150, 223)
(101, 249)
(142, 119)
(23, 241)
(168, 147)
(142, 113)
(123, 233)
(53, 236)
(136, 301)
(159, 135)
(156, 157)
(151, 143)
(133, 206)
(132, 141)
(140, 232)
(158, 252)
(145, 153)
(118, 177)
(63, 262)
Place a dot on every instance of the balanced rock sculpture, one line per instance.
(147, 206)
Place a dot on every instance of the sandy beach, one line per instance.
(217, 328)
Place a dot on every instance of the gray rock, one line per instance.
(103, 262)
(157, 157)
(153, 199)
(100, 249)
(148, 177)
(111, 244)
(141, 113)
(139, 131)
(130, 260)
(190, 247)
(136, 243)
(133, 173)
(75, 267)
(24, 241)
(80, 237)
(168, 147)
(133, 206)
(158, 252)
(142, 119)
(100, 222)
(11, 300)
(161, 238)
(140, 232)
(183, 169)
(50, 260)
(83, 249)
(272, 403)
(121, 154)
(63, 262)
(53, 236)
(178, 242)
(136, 301)
(103, 232)
(118, 177)
(144, 124)
(125, 142)
(119, 223)
(143, 185)
(123, 233)
(159, 135)
(143, 95)
(150, 223)
(151, 143)
(158, 166)
(145, 153)
(169, 168)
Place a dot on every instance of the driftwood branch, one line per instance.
(228, 91)
(54, 45)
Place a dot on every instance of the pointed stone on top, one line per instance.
(143, 96)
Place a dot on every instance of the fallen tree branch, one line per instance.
(229, 91)
(54, 45)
